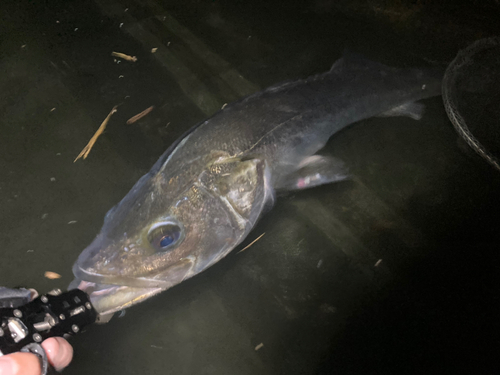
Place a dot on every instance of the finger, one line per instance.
(20, 364)
(59, 352)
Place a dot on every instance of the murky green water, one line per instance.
(308, 290)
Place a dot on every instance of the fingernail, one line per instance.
(8, 366)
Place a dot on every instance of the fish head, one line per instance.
(166, 230)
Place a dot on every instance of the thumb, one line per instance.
(20, 364)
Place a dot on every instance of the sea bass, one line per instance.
(207, 191)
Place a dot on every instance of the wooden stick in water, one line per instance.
(140, 115)
(251, 243)
(86, 150)
(123, 56)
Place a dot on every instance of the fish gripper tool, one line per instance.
(24, 327)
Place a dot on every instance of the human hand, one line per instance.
(59, 353)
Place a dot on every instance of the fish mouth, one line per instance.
(108, 299)
(85, 274)
(164, 279)
(112, 293)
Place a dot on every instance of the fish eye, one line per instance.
(165, 236)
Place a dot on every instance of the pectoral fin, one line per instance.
(314, 171)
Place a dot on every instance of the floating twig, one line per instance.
(140, 115)
(86, 150)
(251, 243)
(124, 56)
(52, 275)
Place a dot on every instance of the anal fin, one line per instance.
(412, 110)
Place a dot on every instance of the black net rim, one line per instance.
(463, 59)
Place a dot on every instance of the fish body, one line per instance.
(207, 191)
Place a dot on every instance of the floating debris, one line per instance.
(157, 347)
(72, 222)
(140, 115)
(52, 275)
(30, 251)
(224, 106)
(44, 216)
(378, 262)
(53, 109)
(259, 346)
(251, 243)
(320, 263)
(124, 56)
(52, 179)
(153, 50)
(86, 150)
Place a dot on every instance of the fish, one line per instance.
(207, 191)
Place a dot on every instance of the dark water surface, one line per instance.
(309, 289)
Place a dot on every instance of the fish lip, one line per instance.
(136, 282)
(99, 292)
(85, 275)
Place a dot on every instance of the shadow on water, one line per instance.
(436, 315)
